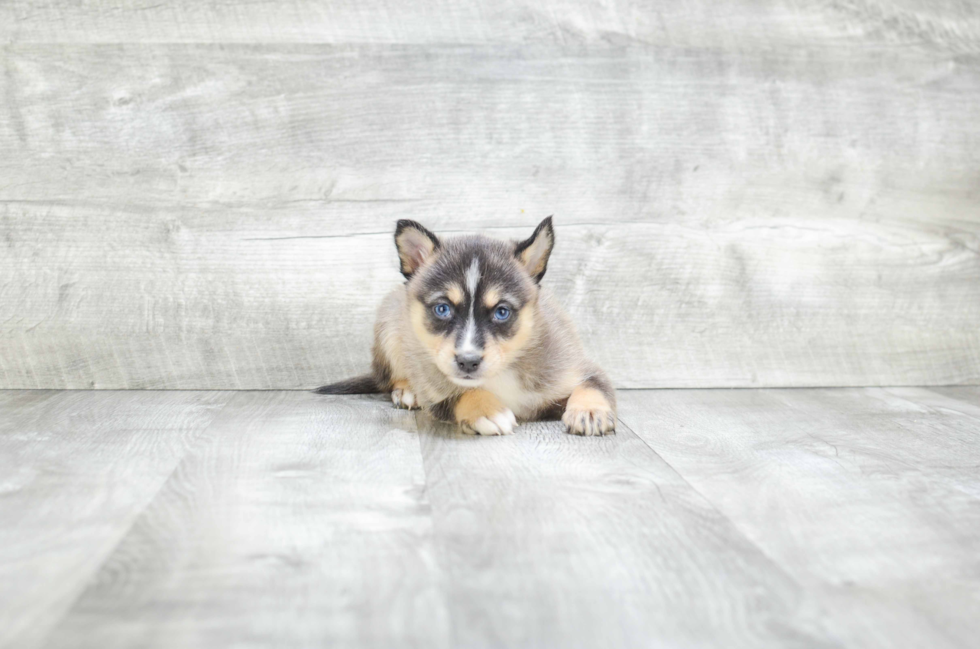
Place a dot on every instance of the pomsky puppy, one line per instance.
(473, 338)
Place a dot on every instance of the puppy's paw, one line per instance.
(479, 412)
(589, 413)
(403, 397)
(502, 423)
(589, 422)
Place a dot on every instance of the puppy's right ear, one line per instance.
(415, 244)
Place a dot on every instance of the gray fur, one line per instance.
(534, 360)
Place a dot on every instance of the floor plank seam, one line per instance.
(735, 528)
(445, 572)
(136, 516)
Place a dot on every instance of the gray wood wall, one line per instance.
(201, 194)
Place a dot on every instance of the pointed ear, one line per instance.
(415, 244)
(533, 253)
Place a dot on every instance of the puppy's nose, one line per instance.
(468, 362)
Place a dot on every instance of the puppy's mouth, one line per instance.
(467, 380)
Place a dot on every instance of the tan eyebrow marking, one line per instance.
(491, 297)
(455, 294)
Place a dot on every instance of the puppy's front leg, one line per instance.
(403, 396)
(591, 408)
(479, 412)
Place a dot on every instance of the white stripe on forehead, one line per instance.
(468, 346)
(472, 279)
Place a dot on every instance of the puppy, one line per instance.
(474, 338)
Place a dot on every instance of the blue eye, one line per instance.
(501, 314)
(442, 311)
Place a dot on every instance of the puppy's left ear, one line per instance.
(415, 244)
(533, 253)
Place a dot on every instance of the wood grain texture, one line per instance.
(552, 540)
(200, 216)
(300, 522)
(735, 518)
(948, 24)
(75, 471)
(869, 498)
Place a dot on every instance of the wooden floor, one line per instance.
(715, 518)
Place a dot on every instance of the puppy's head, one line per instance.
(472, 299)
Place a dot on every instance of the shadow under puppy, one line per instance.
(473, 337)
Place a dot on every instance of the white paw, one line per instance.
(589, 422)
(501, 423)
(404, 398)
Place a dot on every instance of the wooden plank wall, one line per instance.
(199, 194)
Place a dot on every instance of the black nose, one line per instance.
(468, 362)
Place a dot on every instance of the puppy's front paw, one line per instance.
(589, 413)
(501, 423)
(403, 397)
(479, 412)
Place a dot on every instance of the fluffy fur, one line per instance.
(473, 337)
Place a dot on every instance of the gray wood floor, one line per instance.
(715, 518)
